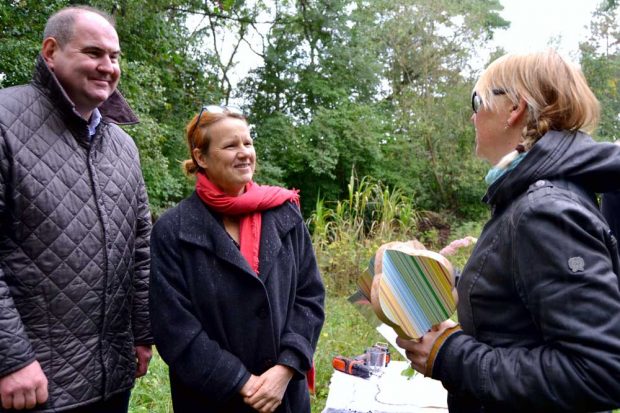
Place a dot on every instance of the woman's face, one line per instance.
(231, 159)
(493, 139)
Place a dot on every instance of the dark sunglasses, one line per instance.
(213, 109)
(476, 100)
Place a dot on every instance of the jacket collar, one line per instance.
(114, 110)
(199, 227)
(561, 155)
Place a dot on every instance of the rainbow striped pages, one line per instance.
(409, 288)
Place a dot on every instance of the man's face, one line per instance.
(88, 65)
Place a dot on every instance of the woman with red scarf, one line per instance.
(236, 295)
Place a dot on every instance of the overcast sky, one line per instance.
(535, 22)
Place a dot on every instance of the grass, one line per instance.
(152, 392)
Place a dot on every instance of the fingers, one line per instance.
(267, 406)
(249, 388)
(402, 343)
(141, 369)
(19, 401)
(24, 388)
(7, 401)
(406, 344)
(41, 394)
(143, 358)
(269, 389)
(143, 366)
(30, 399)
(270, 407)
(266, 398)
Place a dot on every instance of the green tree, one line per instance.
(165, 78)
(315, 102)
(426, 47)
(21, 35)
(600, 62)
(378, 87)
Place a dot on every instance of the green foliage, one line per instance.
(21, 29)
(379, 86)
(600, 62)
(164, 82)
(347, 234)
(427, 47)
(152, 392)
(163, 79)
(462, 230)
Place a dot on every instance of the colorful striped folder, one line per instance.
(409, 288)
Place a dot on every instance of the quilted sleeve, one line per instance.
(15, 348)
(140, 317)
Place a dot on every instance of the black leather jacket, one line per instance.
(539, 299)
(74, 244)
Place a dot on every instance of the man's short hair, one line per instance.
(60, 24)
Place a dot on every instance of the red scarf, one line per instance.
(248, 206)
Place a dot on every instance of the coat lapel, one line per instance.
(199, 227)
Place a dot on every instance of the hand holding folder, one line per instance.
(409, 288)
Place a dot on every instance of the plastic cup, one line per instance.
(375, 359)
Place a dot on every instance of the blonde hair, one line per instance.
(556, 92)
(200, 138)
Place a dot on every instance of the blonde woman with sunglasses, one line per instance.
(539, 298)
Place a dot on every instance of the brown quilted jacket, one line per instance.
(74, 243)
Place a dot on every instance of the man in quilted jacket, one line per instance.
(74, 228)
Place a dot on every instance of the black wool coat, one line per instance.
(215, 322)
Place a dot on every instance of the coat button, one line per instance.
(261, 313)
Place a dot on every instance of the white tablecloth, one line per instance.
(389, 393)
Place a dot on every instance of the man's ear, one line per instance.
(48, 50)
(518, 114)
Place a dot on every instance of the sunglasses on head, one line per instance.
(214, 109)
(476, 100)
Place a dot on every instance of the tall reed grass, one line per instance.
(346, 233)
